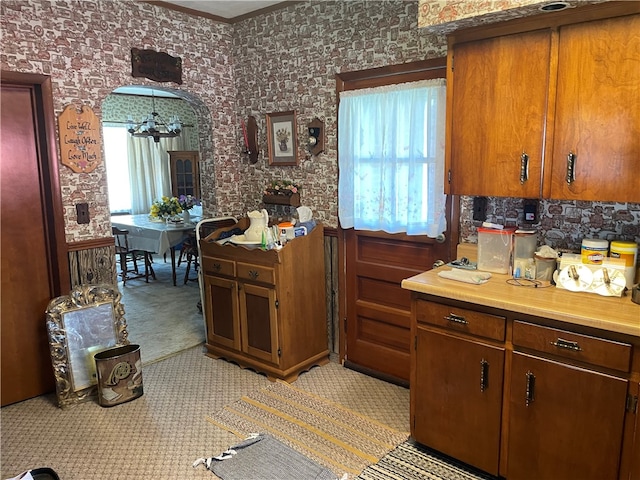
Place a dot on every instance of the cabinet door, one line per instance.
(565, 422)
(184, 173)
(458, 398)
(221, 312)
(498, 113)
(259, 322)
(598, 111)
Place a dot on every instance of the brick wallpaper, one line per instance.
(279, 61)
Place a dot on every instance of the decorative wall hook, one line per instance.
(250, 133)
(315, 142)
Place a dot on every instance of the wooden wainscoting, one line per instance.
(92, 262)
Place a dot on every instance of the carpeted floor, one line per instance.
(162, 318)
(159, 435)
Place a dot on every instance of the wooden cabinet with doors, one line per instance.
(597, 117)
(525, 386)
(567, 404)
(456, 385)
(184, 173)
(265, 309)
(547, 107)
(497, 120)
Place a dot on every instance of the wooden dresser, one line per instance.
(265, 309)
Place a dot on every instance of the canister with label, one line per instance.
(627, 251)
(594, 250)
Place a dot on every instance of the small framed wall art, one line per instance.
(282, 138)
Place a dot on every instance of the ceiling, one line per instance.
(229, 11)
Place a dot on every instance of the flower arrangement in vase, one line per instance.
(165, 208)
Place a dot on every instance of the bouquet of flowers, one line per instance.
(282, 187)
(187, 202)
(165, 207)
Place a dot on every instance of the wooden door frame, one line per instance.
(53, 211)
(376, 77)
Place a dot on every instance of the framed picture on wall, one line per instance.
(281, 138)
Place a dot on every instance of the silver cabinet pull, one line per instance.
(217, 267)
(253, 274)
(524, 167)
(571, 168)
(531, 383)
(452, 317)
(484, 375)
(568, 344)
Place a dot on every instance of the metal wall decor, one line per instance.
(87, 321)
(156, 66)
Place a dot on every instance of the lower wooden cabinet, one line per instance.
(266, 309)
(565, 422)
(458, 391)
(523, 399)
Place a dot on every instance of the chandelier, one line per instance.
(154, 125)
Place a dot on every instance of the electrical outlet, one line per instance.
(480, 208)
(530, 211)
(82, 212)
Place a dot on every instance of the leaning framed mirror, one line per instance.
(87, 321)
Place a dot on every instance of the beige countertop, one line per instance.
(616, 314)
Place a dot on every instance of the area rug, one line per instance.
(337, 438)
(412, 461)
(261, 457)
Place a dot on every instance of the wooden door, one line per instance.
(221, 312)
(570, 428)
(458, 392)
(378, 309)
(598, 111)
(184, 173)
(259, 322)
(499, 99)
(31, 243)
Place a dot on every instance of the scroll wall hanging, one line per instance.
(79, 139)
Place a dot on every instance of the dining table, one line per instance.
(155, 235)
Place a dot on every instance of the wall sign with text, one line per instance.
(79, 139)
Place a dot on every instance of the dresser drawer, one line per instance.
(461, 320)
(575, 346)
(256, 273)
(218, 266)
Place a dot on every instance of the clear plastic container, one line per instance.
(494, 249)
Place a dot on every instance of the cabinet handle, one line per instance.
(571, 168)
(531, 383)
(568, 344)
(217, 267)
(484, 374)
(524, 168)
(253, 274)
(452, 317)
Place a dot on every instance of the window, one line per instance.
(117, 164)
(391, 158)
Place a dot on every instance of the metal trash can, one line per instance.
(119, 373)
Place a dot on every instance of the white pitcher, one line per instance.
(259, 223)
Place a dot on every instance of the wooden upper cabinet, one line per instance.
(555, 88)
(597, 114)
(184, 173)
(498, 98)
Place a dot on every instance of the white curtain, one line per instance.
(149, 169)
(391, 158)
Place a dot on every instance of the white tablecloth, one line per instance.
(149, 235)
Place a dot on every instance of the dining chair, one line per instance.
(129, 258)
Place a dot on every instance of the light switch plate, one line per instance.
(82, 212)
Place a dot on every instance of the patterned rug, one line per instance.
(412, 461)
(333, 436)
